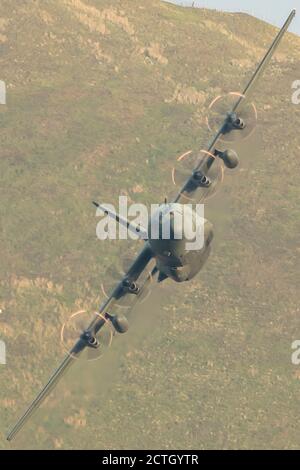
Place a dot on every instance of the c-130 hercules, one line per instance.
(170, 257)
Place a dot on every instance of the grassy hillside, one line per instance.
(101, 98)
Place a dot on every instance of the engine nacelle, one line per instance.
(239, 123)
(229, 157)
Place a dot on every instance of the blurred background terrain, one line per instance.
(267, 10)
(102, 97)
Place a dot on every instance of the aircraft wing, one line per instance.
(205, 163)
(133, 273)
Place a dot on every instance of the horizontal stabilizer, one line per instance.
(141, 232)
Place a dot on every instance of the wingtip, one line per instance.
(96, 204)
(9, 437)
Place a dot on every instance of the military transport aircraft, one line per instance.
(170, 256)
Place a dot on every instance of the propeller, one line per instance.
(134, 290)
(77, 326)
(240, 125)
(207, 182)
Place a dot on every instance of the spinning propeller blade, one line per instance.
(257, 74)
(232, 123)
(204, 185)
